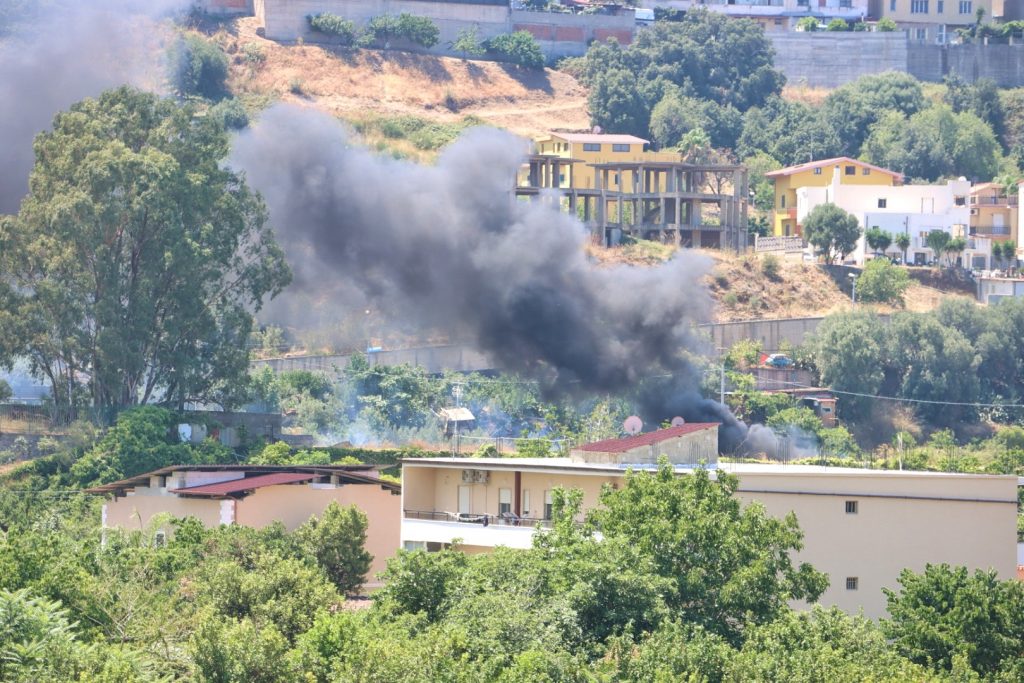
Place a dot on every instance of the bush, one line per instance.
(882, 282)
(418, 30)
(837, 24)
(254, 54)
(771, 267)
(198, 67)
(520, 48)
(333, 25)
(808, 24)
(231, 113)
(886, 25)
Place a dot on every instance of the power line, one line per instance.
(902, 399)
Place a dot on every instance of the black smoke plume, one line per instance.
(449, 247)
(54, 53)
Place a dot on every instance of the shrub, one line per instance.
(418, 30)
(882, 282)
(771, 267)
(232, 113)
(808, 24)
(837, 24)
(333, 25)
(295, 86)
(254, 54)
(198, 67)
(520, 48)
(885, 25)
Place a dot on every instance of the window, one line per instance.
(526, 502)
(851, 507)
(591, 147)
(850, 170)
(778, 22)
(919, 6)
(960, 201)
(865, 171)
(892, 5)
(921, 34)
(561, 178)
(619, 147)
(882, 203)
(547, 505)
(965, 7)
(851, 583)
(504, 501)
(940, 6)
(817, 171)
(782, 202)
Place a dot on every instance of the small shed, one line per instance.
(452, 417)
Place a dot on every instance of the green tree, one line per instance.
(937, 241)
(729, 564)
(838, 24)
(225, 651)
(5, 390)
(791, 132)
(519, 48)
(832, 231)
(882, 282)
(138, 257)
(807, 24)
(198, 67)
(945, 612)
(878, 240)
(337, 540)
(851, 110)
(467, 43)
(903, 242)
(886, 25)
(849, 351)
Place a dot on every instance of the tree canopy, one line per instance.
(138, 258)
(832, 231)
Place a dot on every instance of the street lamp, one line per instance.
(853, 282)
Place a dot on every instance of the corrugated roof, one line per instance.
(225, 488)
(650, 438)
(829, 162)
(457, 414)
(600, 138)
(346, 473)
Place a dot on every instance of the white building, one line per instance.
(912, 209)
(991, 288)
(775, 15)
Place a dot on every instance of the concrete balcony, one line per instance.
(476, 530)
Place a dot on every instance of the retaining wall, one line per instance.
(558, 34)
(829, 60)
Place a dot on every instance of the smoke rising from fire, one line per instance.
(57, 52)
(449, 247)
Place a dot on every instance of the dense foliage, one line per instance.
(519, 48)
(420, 31)
(333, 25)
(137, 260)
(198, 67)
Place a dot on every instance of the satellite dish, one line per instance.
(597, 130)
(632, 425)
(676, 421)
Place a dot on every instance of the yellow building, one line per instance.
(931, 21)
(585, 149)
(847, 515)
(820, 174)
(256, 496)
(994, 212)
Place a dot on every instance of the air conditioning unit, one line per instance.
(475, 476)
(974, 212)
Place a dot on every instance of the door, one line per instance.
(997, 223)
(504, 501)
(465, 500)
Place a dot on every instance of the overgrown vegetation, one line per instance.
(519, 48)
(333, 25)
(198, 67)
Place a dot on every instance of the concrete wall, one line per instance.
(771, 333)
(559, 34)
(829, 60)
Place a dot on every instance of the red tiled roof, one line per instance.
(649, 439)
(224, 488)
(829, 162)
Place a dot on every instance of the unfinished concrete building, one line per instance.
(670, 201)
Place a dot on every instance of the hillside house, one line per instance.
(258, 495)
(994, 212)
(915, 210)
(776, 15)
(846, 514)
(820, 174)
(930, 21)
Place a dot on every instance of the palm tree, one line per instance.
(903, 242)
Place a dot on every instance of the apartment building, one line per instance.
(256, 496)
(847, 515)
(776, 15)
(824, 173)
(994, 212)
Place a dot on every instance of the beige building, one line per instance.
(994, 212)
(930, 21)
(256, 496)
(861, 527)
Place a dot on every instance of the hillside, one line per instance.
(359, 85)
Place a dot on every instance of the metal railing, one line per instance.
(507, 520)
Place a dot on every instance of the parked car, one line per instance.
(778, 360)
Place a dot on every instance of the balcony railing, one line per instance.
(989, 200)
(506, 519)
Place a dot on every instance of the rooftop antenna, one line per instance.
(632, 425)
(678, 421)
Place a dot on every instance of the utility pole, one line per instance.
(457, 393)
(721, 390)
